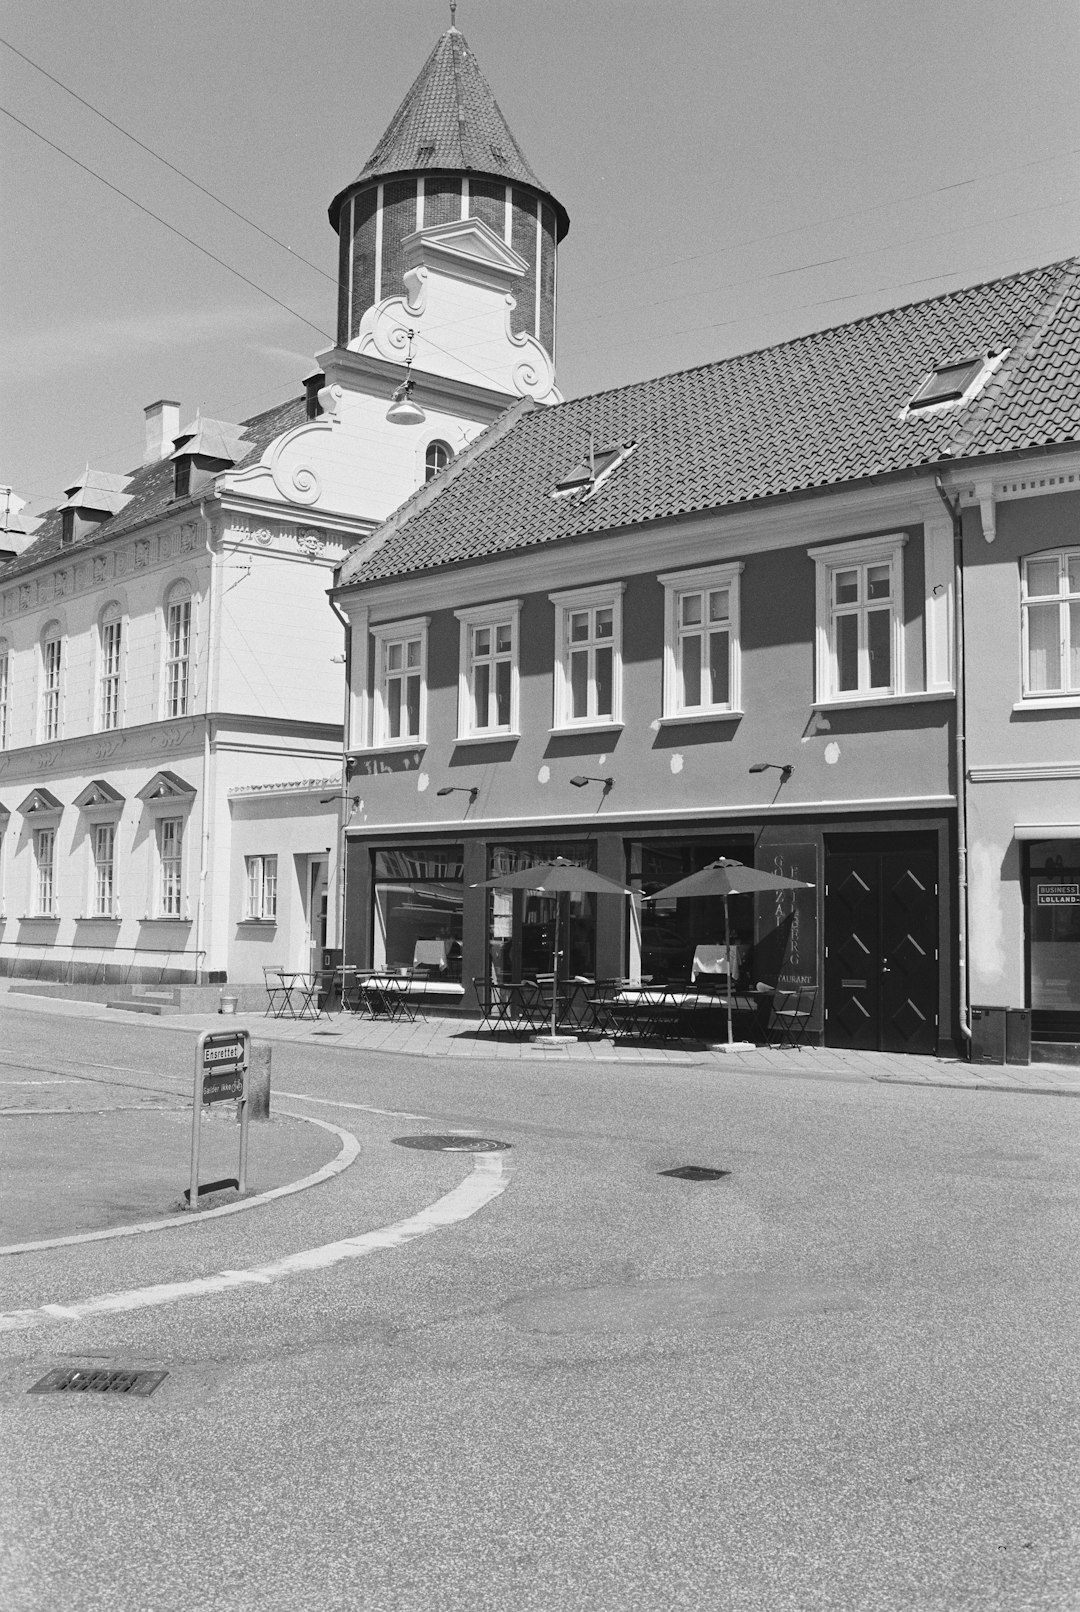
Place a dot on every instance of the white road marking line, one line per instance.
(71, 1082)
(363, 1108)
(487, 1181)
(350, 1149)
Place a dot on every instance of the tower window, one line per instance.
(436, 458)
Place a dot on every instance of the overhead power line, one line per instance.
(159, 158)
(304, 320)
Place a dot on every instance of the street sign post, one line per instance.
(222, 1060)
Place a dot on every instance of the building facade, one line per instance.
(714, 613)
(170, 671)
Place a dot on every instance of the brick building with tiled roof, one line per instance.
(725, 604)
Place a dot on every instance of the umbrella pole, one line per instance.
(555, 975)
(727, 960)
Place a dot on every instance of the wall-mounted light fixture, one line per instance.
(580, 779)
(402, 410)
(784, 768)
(472, 790)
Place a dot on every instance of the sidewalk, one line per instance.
(453, 1039)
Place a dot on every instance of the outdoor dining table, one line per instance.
(671, 1011)
(379, 992)
(293, 993)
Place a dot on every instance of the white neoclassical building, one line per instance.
(172, 675)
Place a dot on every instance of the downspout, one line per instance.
(344, 795)
(961, 756)
(211, 664)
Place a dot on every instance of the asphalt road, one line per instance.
(843, 1376)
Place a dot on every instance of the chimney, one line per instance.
(162, 425)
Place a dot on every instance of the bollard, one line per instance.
(259, 1081)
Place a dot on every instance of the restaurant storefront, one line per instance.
(426, 907)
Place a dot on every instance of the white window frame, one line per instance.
(177, 665)
(261, 873)
(103, 869)
(45, 871)
(52, 683)
(1063, 598)
(885, 550)
(505, 614)
(383, 636)
(605, 596)
(5, 694)
(429, 447)
(677, 585)
(110, 668)
(171, 899)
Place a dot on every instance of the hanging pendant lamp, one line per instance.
(402, 410)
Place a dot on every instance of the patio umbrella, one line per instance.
(726, 878)
(554, 879)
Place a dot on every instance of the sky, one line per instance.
(737, 172)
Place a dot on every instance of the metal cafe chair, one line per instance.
(789, 1015)
(278, 993)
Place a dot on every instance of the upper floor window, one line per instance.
(52, 660)
(588, 656)
(177, 653)
(860, 592)
(1050, 606)
(45, 868)
(261, 887)
(400, 681)
(488, 679)
(111, 649)
(170, 837)
(5, 691)
(436, 458)
(701, 644)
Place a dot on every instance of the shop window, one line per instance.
(419, 901)
(701, 643)
(262, 875)
(521, 923)
(400, 682)
(588, 657)
(671, 931)
(1050, 608)
(488, 678)
(1054, 927)
(859, 640)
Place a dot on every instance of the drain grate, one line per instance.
(451, 1144)
(695, 1172)
(69, 1380)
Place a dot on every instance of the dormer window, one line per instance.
(67, 528)
(425, 153)
(954, 381)
(182, 480)
(589, 472)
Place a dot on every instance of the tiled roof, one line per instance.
(150, 491)
(823, 410)
(448, 120)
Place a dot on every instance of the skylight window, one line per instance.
(591, 469)
(948, 383)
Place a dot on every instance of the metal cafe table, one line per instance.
(379, 992)
(641, 1010)
(292, 993)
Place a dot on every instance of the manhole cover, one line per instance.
(695, 1172)
(451, 1144)
(68, 1380)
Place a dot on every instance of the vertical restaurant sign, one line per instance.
(794, 909)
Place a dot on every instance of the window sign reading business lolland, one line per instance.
(1057, 895)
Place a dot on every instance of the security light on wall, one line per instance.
(472, 790)
(784, 768)
(580, 779)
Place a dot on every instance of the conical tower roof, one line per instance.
(450, 120)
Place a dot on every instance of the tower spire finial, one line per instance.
(453, 13)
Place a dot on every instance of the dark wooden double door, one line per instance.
(881, 948)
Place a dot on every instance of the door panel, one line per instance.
(881, 959)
